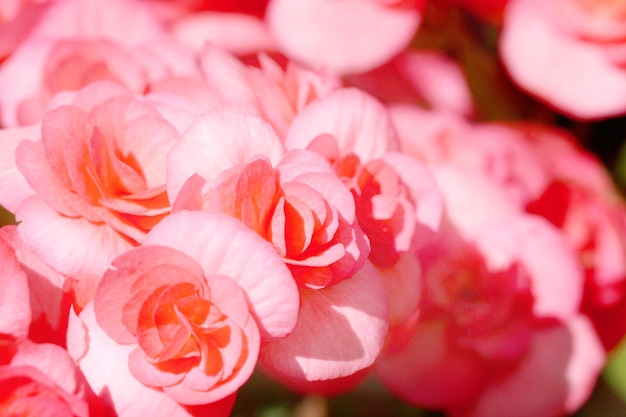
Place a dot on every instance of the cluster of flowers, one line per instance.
(200, 190)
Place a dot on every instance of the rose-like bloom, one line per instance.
(299, 205)
(397, 201)
(42, 380)
(346, 36)
(568, 53)
(186, 312)
(96, 167)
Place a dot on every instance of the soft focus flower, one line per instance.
(77, 42)
(490, 301)
(568, 53)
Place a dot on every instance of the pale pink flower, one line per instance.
(186, 312)
(42, 380)
(569, 54)
(344, 36)
(75, 42)
(96, 167)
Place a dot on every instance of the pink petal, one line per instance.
(345, 36)
(340, 332)
(424, 192)
(85, 247)
(223, 245)
(220, 139)
(553, 268)
(15, 311)
(237, 33)
(45, 286)
(13, 186)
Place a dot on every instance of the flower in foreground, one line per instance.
(185, 313)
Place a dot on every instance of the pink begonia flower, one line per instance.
(297, 203)
(348, 36)
(42, 380)
(397, 201)
(570, 54)
(46, 301)
(422, 77)
(97, 170)
(121, 42)
(544, 172)
(15, 310)
(278, 94)
(187, 311)
(499, 308)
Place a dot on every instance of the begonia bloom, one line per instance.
(188, 310)
(97, 168)
(568, 53)
(122, 42)
(397, 201)
(297, 203)
(42, 380)
(497, 284)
